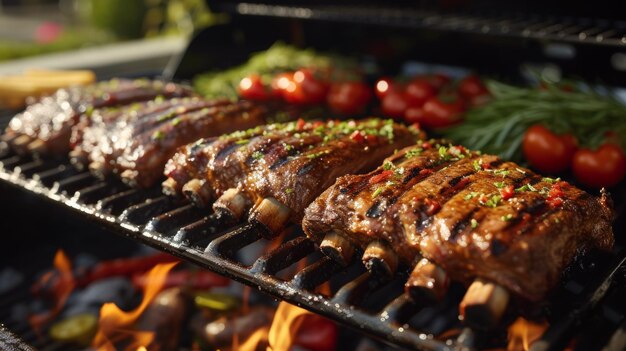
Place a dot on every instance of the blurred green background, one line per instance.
(34, 27)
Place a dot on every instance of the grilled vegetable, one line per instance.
(78, 329)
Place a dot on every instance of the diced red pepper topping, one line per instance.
(416, 125)
(357, 136)
(555, 202)
(371, 139)
(317, 124)
(483, 199)
(382, 176)
(485, 165)
(432, 206)
(426, 171)
(300, 124)
(427, 145)
(526, 217)
(555, 191)
(507, 192)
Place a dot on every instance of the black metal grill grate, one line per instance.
(292, 270)
(542, 27)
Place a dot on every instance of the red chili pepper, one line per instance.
(507, 192)
(382, 176)
(357, 136)
(300, 124)
(432, 206)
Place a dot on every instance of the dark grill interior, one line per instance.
(357, 299)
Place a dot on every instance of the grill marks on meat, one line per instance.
(287, 164)
(136, 141)
(46, 126)
(457, 209)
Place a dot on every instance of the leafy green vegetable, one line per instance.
(499, 126)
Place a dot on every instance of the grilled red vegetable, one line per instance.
(186, 278)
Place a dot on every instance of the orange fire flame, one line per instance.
(62, 290)
(522, 333)
(285, 326)
(115, 325)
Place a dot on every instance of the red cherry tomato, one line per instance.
(473, 90)
(383, 86)
(419, 91)
(281, 82)
(440, 113)
(471, 86)
(546, 151)
(394, 104)
(306, 90)
(348, 98)
(604, 167)
(414, 115)
(252, 88)
(438, 80)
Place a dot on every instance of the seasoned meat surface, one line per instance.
(291, 162)
(137, 140)
(473, 215)
(45, 126)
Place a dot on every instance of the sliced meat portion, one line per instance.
(473, 215)
(45, 126)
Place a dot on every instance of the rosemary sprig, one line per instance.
(499, 126)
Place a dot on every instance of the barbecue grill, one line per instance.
(586, 305)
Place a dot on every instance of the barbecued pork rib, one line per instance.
(472, 215)
(284, 168)
(45, 126)
(136, 141)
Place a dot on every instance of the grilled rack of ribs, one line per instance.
(278, 169)
(450, 213)
(45, 126)
(137, 140)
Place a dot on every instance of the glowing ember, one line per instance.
(62, 289)
(523, 333)
(116, 326)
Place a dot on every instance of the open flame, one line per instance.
(62, 288)
(287, 321)
(115, 326)
(522, 333)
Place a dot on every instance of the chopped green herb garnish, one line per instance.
(414, 152)
(377, 192)
(176, 121)
(443, 151)
(499, 185)
(501, 172)
(399, 171)
(158, 135)
(507, 217)
(257, 155)
(474, 223)
(493, 201)
(317, 154)
(470, 196)
(288, 147)
(478, 165)
(550, 180)
(242, 141)
(388, 165)
(288, 190)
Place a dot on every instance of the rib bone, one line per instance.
(380, 259)
(232, 203)
(271, 214)
(338, 248)
(427, 282)
(484, 304)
